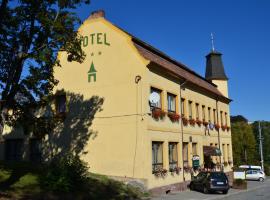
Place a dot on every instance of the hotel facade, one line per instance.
(157, 121)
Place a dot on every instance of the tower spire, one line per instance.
(212, 42)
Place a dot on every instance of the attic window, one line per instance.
(60, 103)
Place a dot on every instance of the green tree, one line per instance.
(265, 128)
(32, 32)
(243, 143)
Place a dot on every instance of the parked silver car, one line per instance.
(255, 175)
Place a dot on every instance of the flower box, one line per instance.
(176, 170)
(174, 117)
(199, 122)
(185, 121)
(224, 127)
(187, 169)
(217, 127)
(205, 123)
(160, 172)
(192, 122)
(157, 113)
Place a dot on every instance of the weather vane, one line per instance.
(212, 40)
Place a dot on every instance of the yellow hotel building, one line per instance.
(157, 120)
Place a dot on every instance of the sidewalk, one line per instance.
(195, 195)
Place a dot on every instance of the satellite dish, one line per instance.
(154, 97)
(211, 126)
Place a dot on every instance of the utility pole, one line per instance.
(261, 147)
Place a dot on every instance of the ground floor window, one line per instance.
(35, 150)
(157, 156)
(14, 149)
(185, 154)
(173, 159)
(194, 148)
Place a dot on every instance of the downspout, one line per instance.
(182, 129)
(218, 134)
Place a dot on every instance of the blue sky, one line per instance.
(181, 29)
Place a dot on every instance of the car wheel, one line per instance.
(261, 179)
(225, 191)
(205, 190)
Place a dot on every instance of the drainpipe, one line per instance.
(218, 135)
(182, 129)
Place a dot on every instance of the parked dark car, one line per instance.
(210, 182)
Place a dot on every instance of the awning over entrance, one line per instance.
(211, 151)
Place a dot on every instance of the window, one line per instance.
(158, 93)
(190, 109)
(35, 150)
(228, 151)
(197, 111)
(157, 155)
(221, 118)
(194, 148)
(214, 116)
(183, 108)
(211, 144)
(61, 103)
(223, 152)
(171, 102)
(173, 160)
(14, 149)
(209, 114)
(185, 154)
(203, 113)
(226, 119)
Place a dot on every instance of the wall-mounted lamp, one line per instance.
(137, 79)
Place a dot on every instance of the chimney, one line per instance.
(97, 14)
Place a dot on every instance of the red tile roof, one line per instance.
(177, 68)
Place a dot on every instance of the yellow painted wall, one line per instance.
(118, 144)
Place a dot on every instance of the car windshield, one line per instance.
(218, 176)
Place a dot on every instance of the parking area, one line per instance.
(253, 186)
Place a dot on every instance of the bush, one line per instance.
(67, 173)
(267, 169)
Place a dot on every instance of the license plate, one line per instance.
(220, 183)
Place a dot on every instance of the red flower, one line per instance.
(205, 123)
(158, 113)
(192, 122)
(173, 116)
(185, 121)
(199, 122)
(223, 127)
(217, 126)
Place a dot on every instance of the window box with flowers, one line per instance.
(205, 123)
(224, 127)
(198, 122)
(176, 170)
(187, 169)
(158, 113)
(174, 117)
(185, 121)
(192, 122)
(225, 163)
(160, 172)
(217, 127)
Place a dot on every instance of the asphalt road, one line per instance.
(256, 191)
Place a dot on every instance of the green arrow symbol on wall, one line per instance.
(92, 73)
